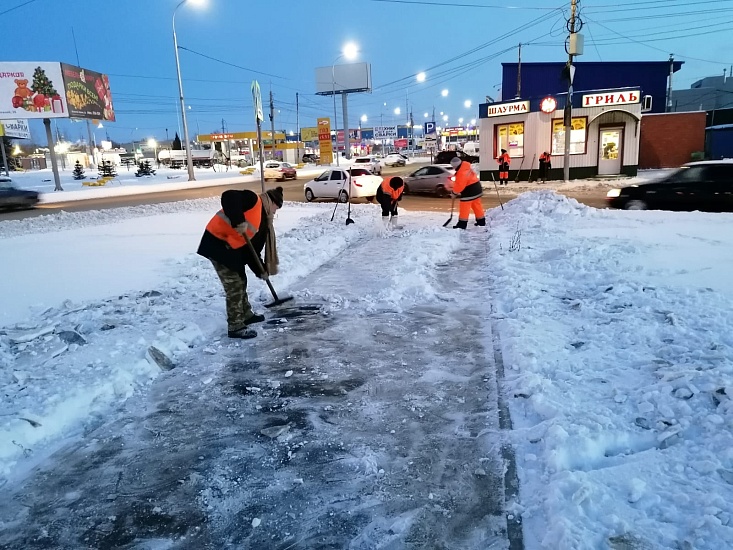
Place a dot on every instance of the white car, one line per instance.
(394, 159)
(336, 184)
(370, 163)
(280, 171)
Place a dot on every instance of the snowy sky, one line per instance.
(614, 329)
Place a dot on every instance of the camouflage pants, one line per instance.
(235, 289)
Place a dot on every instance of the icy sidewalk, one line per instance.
(369, 423)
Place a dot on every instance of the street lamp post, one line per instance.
(349, 52)
(189, 159)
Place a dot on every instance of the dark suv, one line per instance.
(705, 186)
(313, 159)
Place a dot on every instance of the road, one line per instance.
(293, 191)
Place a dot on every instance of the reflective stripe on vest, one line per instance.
(221, 226)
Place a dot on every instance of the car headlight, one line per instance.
(613, 193)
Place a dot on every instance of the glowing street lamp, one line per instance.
(426, 115)
(421, 77)
(364, 118)
(397, 111)
(445, 118)
(467, 104)
(444, 93)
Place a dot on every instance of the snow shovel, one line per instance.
(452, 204)
(276, 301)
(497, 191)
(348, 215)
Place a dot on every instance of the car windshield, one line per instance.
(286, 165)
(360, 172)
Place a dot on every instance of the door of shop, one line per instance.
(610, 154)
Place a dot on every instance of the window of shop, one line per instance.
(578, 136)
(511, 138)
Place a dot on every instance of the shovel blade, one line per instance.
(349, 221)
(278, 302)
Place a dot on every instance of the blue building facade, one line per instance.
(542, 79)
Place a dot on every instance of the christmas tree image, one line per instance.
(78, 171)
(44, 91)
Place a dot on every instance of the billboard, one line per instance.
(31, 90)
(87, 93)
(385, 132)
(324, 140)
(15, 129)
(344, 79)
(309, 134)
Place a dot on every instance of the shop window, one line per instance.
(578, 136)
(511, 138)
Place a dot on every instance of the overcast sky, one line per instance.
(460, 45)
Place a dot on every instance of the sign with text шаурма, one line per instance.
(513, 108)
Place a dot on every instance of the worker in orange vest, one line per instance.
(389, 194)
(223, 243)
(468, 188)
(545, 165)
(504, 162)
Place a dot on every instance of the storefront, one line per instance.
(604, 136)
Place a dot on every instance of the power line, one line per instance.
(231, 64)
(454, 5)
(17, 7)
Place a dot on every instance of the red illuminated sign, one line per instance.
(548, 105)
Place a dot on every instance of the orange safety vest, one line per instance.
(504, 158)
(544, 157)
(221, 227)
(387, 190)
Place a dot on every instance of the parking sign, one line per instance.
(429, 128)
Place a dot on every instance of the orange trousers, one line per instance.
(465, 207)
(504, 175)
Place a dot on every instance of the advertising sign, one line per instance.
(87, 93)
(324, 140)
(15, 129)
(385, 132)
(513, 108)
(308, 134)
(400, 143)
(32, 90)
(612, 98)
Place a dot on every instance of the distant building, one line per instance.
(708, 94)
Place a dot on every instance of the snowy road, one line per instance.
(360, 424)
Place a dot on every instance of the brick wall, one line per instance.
(667, 140)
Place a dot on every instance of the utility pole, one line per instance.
(519, 73)
(297, 128)
(668, 106)
(272, 125)
(568, 114)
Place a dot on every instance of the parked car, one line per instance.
(705, 186)
(280, 171)
(334, 184)
(369, 163)
(434, 178)
(444, 157)
(394, 159)
(12, 197)
(308, 158)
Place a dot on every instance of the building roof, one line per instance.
(677, 65)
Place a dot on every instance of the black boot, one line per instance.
(461, 225)
(256, 318)
(481, 222)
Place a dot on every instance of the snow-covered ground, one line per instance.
(612, 336)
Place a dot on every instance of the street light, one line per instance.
(467, 104)
(189, 159)
(426, 115)
(444, 93)
(421, 77)
(349, 51)
(364, 118)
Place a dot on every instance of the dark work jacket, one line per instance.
(234, 204)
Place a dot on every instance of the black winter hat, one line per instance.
(396, 182)
(276, 196)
